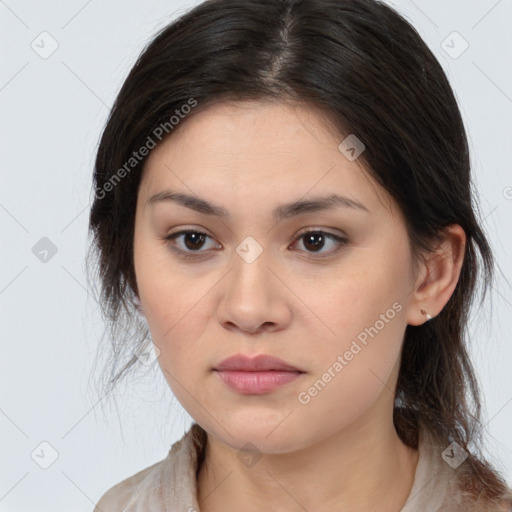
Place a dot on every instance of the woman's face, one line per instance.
(254, 283)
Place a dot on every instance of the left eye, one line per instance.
(316, 240)
(194, 240)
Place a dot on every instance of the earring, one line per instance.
(428, 315)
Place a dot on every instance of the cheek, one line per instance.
(163, 295)
(177, 312)
(363, 312)
(179, 316)
(356, 299)
(357, 368)
(176, 322)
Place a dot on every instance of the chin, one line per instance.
(268, 434)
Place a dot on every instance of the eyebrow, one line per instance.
(284, 211)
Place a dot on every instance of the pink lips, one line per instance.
(256, 376)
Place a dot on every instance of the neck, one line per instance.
(360, 468)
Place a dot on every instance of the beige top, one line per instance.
(170, 485)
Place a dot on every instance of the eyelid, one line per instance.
(316, 229)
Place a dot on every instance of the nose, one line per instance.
(253, 297)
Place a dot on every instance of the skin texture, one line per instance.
(301, 302)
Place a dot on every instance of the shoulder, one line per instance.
(446, 480)
(167, 483)
(504, 505)
(118, 497)
(112, 500)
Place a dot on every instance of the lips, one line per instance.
(261, 363)
(256, 375)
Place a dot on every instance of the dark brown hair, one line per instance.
(368, 70)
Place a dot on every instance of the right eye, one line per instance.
(193, 240)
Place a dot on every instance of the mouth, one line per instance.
(256, 376)
(260, 363)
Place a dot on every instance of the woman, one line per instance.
(283, 194)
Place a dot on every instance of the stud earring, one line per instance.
(428, 315)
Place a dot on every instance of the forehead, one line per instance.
(260, 151)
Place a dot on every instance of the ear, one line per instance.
(438, 276)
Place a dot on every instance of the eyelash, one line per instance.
(343, 242)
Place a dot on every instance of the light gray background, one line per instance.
(52, 113)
